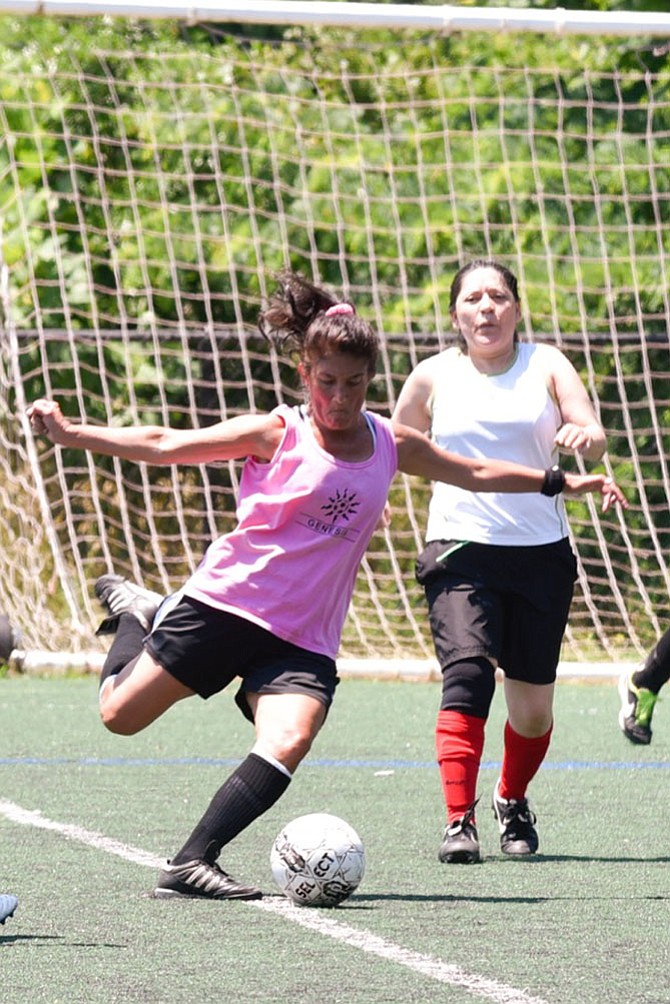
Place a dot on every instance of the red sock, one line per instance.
(522, 758)
(459, 741)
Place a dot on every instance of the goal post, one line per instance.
(158, 166)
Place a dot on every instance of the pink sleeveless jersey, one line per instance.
(304, 522)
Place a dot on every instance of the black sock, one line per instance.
(127, 645)
(249, 792)
(656, 670)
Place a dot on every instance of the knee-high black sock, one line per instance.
(127, 645)
(249, 792)
(656, 670)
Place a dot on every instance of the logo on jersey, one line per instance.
(340, 507)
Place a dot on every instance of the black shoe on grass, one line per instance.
(516, 823)
(201, 880)
(460, 845)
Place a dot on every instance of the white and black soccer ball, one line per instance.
(317, 860)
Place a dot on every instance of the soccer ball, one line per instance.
(317, 860)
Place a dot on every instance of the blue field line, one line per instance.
(378, 765)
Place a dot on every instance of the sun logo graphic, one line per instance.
(341, 505)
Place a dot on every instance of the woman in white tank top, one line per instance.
(498, 570)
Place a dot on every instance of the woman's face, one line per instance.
(486, 313)
(337, 385)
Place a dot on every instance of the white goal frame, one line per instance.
(444, 18)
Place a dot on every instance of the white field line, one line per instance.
(312, 920)
(30, 817)
(443, 972)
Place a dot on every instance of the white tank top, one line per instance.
(507, 416)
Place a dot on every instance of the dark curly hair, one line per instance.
(297, 318)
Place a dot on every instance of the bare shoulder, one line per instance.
(418, 387)
(270, 430)
(422, 373)
(431, 364)
(557, 369)
(261, 423)
(551, 357)
(248, 435)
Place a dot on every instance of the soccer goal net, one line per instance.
(155, 176)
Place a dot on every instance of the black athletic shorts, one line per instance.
(508, 604)
(205, 649)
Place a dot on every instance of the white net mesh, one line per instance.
(147, 198)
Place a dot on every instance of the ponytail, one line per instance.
(307, 319)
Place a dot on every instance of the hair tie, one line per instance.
(340, 308)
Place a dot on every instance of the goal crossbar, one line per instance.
(442, 18)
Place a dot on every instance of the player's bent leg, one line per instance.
(138, 695)
(286, 726)
(194, 872)
(249, 791)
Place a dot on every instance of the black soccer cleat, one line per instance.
(516, 823)
(460, 845)
(120, 596)
(201, 880)
(637, 708)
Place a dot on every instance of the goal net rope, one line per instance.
(149, 193)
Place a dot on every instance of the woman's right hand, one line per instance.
(46, 418)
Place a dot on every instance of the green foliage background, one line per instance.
(115, 130)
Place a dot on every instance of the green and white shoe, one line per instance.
(637, 708)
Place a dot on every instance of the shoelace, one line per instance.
(466, 819)
(518, 813)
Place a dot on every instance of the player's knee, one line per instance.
(117, 725)
(289, 745)
(531, 723)
(468, 686)
(115, 718)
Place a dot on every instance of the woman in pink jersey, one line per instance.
(269, 599)
(498, 570)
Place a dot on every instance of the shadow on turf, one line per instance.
(368, 902)
(588, 858)
(13, 939)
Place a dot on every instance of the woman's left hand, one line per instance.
(581, 438)
(581, 484)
